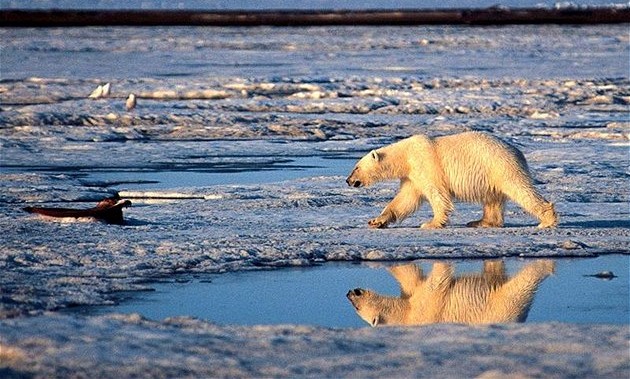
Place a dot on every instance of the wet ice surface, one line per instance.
(316, 296)
(224, 60)
(238, 104)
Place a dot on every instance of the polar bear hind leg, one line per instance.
(511, 302)
(442, 206)
(530, 200)
(492, 214)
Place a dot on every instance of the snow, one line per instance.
(560, 94)
(129, 346)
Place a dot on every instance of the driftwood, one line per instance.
(487, 16)
(108, 210)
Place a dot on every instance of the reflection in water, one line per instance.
(315, 295)
(441, 296)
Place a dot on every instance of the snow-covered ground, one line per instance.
(224, 102)
(128, 346)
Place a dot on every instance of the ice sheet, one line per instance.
(560, 94)
(129, 346)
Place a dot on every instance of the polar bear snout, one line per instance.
(354, 183)
(356, 292)
(353, 296)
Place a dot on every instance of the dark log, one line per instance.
(108, 210)
(489, 16)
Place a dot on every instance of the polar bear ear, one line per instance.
(375, 155)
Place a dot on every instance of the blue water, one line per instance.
(316, 295)
(244, 170)
(243, 173)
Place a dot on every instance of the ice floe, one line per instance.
(242, 108)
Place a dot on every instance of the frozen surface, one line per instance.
(282, 68)
(271, 100)
(128, 346)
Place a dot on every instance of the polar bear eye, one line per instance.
(375, 155)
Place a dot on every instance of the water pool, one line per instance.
(316, 295)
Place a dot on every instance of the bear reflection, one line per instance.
(442, 296)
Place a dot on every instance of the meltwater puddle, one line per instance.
(317, 295)
(237, 170)
(220, 174)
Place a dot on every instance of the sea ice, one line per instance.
(258, 103)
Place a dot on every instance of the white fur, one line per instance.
(471, 167)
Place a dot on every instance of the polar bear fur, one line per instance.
(489, 297)
(470, 166)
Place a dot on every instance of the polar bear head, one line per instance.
(366, 171)
(366, 303)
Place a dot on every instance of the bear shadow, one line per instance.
(463, 226)
(136, 222)
(597, 224)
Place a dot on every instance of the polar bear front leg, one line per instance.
(387, 216)
(442, 206)
(406, 201)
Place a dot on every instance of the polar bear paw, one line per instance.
(432, 225)
(378, 223)
(545, 266)
(549, 217)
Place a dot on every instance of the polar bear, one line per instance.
(470, 166)
(489, 297)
